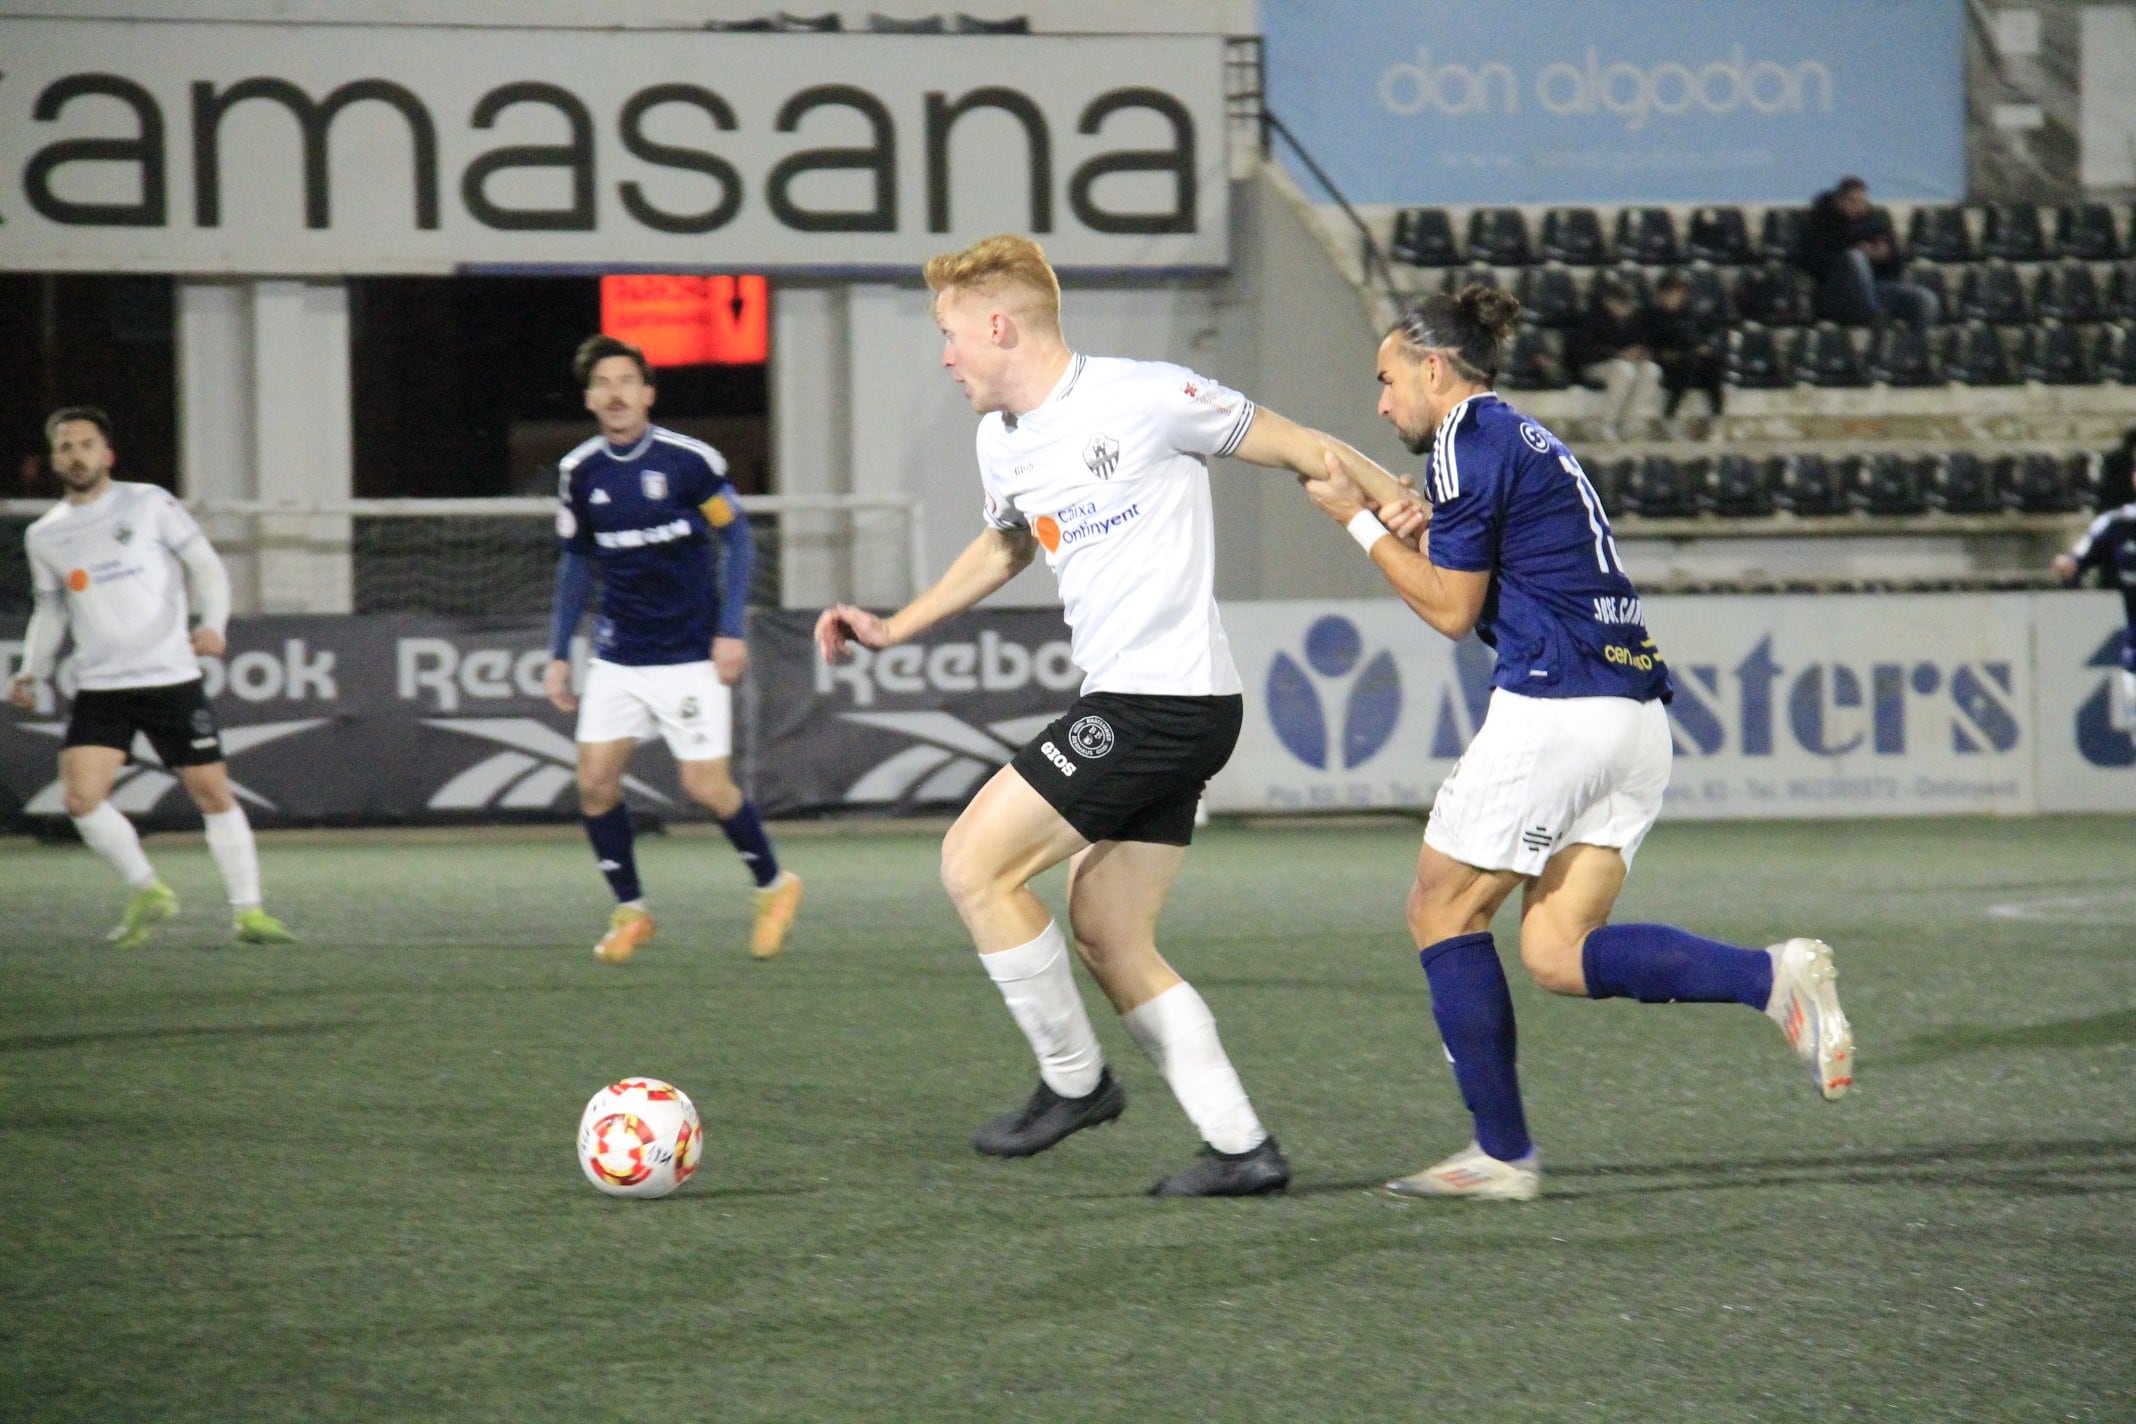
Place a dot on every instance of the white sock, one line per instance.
(1038, 984)
(113, 837)
(1178, 1033)
(230, 842)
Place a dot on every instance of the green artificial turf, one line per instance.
(336, 1181)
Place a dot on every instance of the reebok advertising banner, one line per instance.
(350, 720)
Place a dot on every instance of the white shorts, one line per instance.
(692, 708)
(1547, 772)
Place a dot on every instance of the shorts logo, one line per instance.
(1102, 455)
(654, 484)
(1092, 737)
(1372, 696)
(1537, 441)
(688, 710)
(1538, 838)
(1053, 754)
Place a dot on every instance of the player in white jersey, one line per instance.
(1102, 464)
(112, 561)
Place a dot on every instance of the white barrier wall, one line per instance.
(1809, 706)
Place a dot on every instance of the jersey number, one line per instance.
(1597, 521)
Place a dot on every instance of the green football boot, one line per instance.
(256, 926)
(145, 909)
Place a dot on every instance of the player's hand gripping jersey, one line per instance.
(113, 564)
(1508, 497)
(646, 517)
(1111, 477)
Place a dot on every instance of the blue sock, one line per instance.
(1474, 1009)
(611, 836)
(1660, 964)
(747, 833)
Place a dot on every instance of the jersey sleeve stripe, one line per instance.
(578, 453)
(1239, 428)
(712, 457)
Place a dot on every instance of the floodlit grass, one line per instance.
(335, 1182)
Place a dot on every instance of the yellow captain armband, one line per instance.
(718, 512)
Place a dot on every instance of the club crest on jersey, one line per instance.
(124, 533)
(1537, 441)
(654, 484)
(1102, 455)
(1092, 737)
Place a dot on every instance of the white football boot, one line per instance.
(1805, 1003)
(1474, 1173)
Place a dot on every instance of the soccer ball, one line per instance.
(639, 1137)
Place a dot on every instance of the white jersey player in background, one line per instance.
(113, 561)
(1103, 464)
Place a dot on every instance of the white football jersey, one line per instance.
(1111, 476)
(114, 562)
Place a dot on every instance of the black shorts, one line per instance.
(1123, 766)
(175, 718)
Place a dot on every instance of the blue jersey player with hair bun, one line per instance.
(649, 510)
(2109, 546)
(1565, 776)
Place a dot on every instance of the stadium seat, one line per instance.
(2083, 470)
(1573, 235)
(1498, 236)
(1992, 291)
(1780, 234)
(922, 25)
(1656, 488)
(2084, 232)
(1828, 357)
(1806, 486)
(1739, 487)
(829, 23)
(1647, 236)
(1939, 235)
(1709, 293)
(2058, 354)
(1976, 356)
(2117, 354)
(973, 25)
(1963, 483)
(2036, 483)
(1773, 295)
(2012, 231)
(1888, 484)
(1535, 361)
(2120, 302)
(1758, 359)
(1424, 237)
(1929, 276)
(1609, 477)
(763, 25)
(1632, 279)
(1548, 295)
(1718, 235)
(1904, 355)
(2067, 291)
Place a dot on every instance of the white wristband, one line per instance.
(1365, 528)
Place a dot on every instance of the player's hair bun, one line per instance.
(1491, 308)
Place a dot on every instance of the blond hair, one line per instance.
(994, 266)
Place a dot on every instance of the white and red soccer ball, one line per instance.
(639, 1137)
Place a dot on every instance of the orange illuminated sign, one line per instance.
(689, 321)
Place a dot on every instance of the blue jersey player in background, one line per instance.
(2109, 545)
(651, 511)
(1565, 776)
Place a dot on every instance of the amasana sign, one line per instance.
(292, 149)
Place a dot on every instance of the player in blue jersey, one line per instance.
(2109, 545)
(649, 509)
(1565, 776)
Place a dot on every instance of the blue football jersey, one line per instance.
(646, 517)
(1509, 498)
(2109, 545)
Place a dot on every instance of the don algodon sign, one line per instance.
(291, 149)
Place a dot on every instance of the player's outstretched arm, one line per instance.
(574, 590)
(40, 646)
(1282, 444)
(208, 588)
(987, 563)
(1450, 600)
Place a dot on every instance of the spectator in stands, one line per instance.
(1685, 343)
(1609, 349)
(2117, 473)
(1852, 251)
